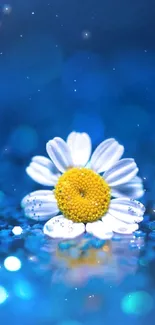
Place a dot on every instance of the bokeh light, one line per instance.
(23, 289)
(12, 263)
(137, 303)
(6, 9)
(2, 197)
(3, 295)
(86, 34)
(17, 230)
(23, 140)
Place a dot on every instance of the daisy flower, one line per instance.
(94, 194)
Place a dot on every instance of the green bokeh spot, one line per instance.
(137, 303)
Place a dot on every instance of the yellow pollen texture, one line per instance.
(82, 195)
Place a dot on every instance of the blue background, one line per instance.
(72, 65)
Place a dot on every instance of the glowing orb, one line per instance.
(17, 230)
(3, 295)
(6, 9)
(86, 34)
(137, 303)
(12, 263)
(23, 290)
(24, 140)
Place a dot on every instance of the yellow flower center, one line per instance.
(82, 195)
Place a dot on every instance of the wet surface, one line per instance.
(73, 281)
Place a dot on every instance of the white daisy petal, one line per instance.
(105, 155)
(37, 177)
(59, 152)
(133, 189)
(45, 196)
(122, 227)
(121, 172)
(107, 220)
(42, 174)
(37, 193)
(99, 229)
(40, 205)
(39, 216)
(45, 162)
(127, 210)
(80, 147)
(60, 227)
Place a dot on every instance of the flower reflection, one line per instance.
(113, 261)
(92, 257)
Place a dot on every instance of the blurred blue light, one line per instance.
(12, 263)
(137, 303)
(2, 198)
(152, 235)
(24, 140)
(3, 295)
(90, 123)
(65, 245)
(23, 290)
(139, 233)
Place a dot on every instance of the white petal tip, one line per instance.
(59, 153)
(60, 227)
(99, 230)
